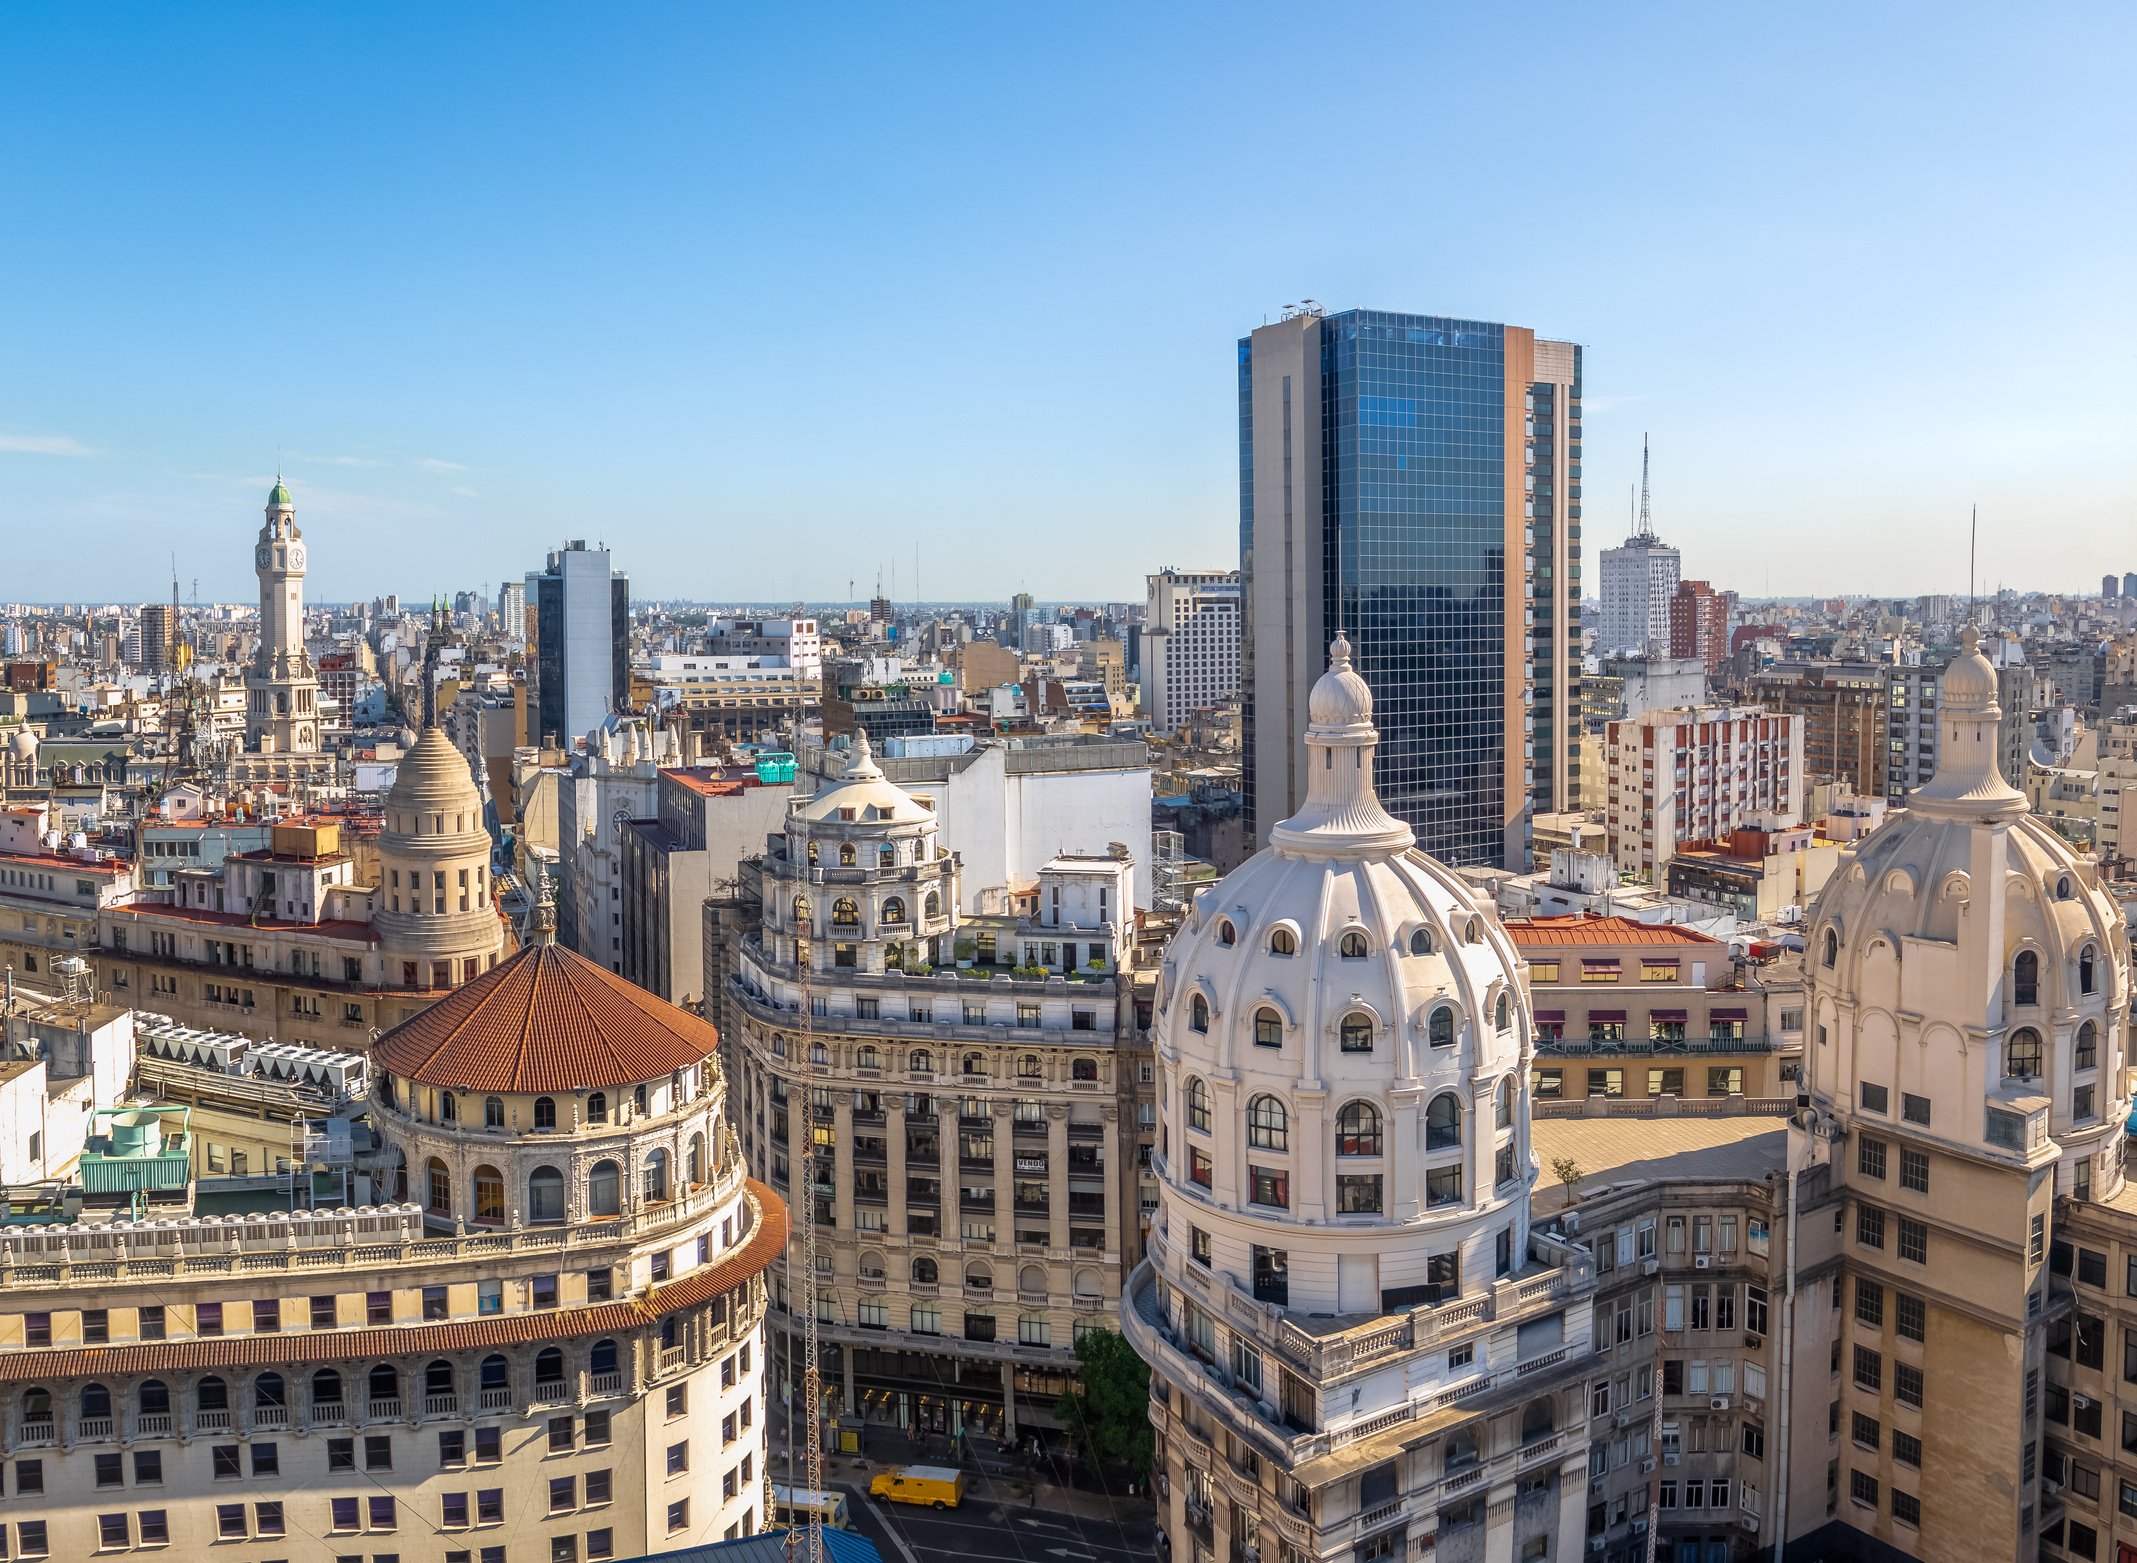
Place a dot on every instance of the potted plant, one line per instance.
(966, 951)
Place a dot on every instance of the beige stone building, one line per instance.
(963, 1100)
(554, 1348)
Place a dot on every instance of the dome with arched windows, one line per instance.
(1968, 974)
(1342, 1032)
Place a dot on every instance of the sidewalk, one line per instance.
(993, 1476)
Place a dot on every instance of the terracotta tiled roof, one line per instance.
(545, 1020)
(1553, 932)
(767, 1241)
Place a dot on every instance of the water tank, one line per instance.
(130, 1132)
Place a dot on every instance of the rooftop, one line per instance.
(1553, 932)
(1615, 1151)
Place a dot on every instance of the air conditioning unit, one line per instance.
(1703, 1262)
(1650, 1267)
(1639, 1525)
(1671, 1456)
(1647, 1466)
(1596, 1544)
(1719, 1402)
(2080, 1401)
(1624, 1417)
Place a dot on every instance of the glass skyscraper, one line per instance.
(1414, 481)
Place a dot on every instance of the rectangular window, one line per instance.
(1914, 1171)
(1869, 1369)
(1862, 1487)
(1913, 1241)
(599, 1487)
(155, 1528)
(1870, 1157)
(1915, 1109)
(1874, 1099)
(1270, 1186)
(563, 1494)
(1907, 1384)
(1869, 1226)
(1906, 1448)
(1864, 1430)
(1869, 1303)
(1911, 1316)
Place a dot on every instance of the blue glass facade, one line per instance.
(1397, 529)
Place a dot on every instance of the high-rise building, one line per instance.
(512, 609)
(1844, 718)
(1699, 623)
(2110, 586)
(1696, 774)
(1410, 480)
(159, 636)
(281, 689)
(1190, 644)
(2129, 584)
(1638, 580)
(581, 667)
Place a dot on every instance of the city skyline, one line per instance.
(470, 321)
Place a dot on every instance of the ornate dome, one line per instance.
(279, 495)
(545, 1020)
(22, 744)
(1970, 932)
(432, 776)
(1344, 1028)
(862, 788)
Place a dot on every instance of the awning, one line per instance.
(1600, 961)
(1728, 1014)
(1606, 1014)
(1665, 1014)
(1550, 1014)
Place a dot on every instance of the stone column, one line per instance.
(1009, 1402)
(1499, 1524)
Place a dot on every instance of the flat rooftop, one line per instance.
(1615, 1151)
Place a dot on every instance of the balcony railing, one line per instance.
(605, 1384)
(384, 1410)
(441, 1405)
(494, 1400)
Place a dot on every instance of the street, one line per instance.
(994, 1525)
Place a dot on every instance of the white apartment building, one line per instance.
(1695, 773)
(1190, 644)
(790, 643)
(615, 781)
(1639, 578)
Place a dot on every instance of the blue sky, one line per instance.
(765, 296)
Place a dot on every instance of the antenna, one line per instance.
(1647, 525)
(1973, 578)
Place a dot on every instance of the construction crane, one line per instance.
(805, 1544)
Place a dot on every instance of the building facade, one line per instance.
(1696, 775)
(1841, 707)
(581, 667)
(1190, 644)
(1699, 623)
(553, 1349)
(1639, 580)
(964, 1108)
(1358, 1346)
(1414, 481)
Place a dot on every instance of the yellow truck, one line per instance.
(937, 1486)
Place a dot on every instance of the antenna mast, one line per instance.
(1647, 525)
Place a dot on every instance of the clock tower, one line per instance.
(282, 690)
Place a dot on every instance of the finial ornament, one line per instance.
(1339, 653)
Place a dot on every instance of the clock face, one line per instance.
(259, 556)
(296, 556)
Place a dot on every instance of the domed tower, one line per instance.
(1969, 997)
(437, 920)
(569, 1132)
(1343, 1041)
(282, 688)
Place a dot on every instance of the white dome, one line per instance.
(1343, 1015)
(22, 744)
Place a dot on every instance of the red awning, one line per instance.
(1665, 1014)
(1600, 960)
(1728, 1014)
(1550, 1014)
(1606, 1014)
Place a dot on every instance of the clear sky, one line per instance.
(765, 296)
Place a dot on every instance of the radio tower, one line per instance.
(1647, 525)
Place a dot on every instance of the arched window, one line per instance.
(779, 1044)
(2085, 969)
(2087, 1052)
(2062, 888)
(1352, 946)
(974, 1064)
(493, 1112)
(696, 1172)
(846, 856)
(438, 1180)
(1028, 1067)
(1443, 1123)
(887, 856)
(604, 1189)
(979, 1278)
(1198, 1013)
(1421, 941)
(1503, 1014)
(845, 912)
(153, 1397)
(1282, 941)
(1083, 1069)
(1358, 1130)
(96, 1400)
(1439, 1027)
(924, 1271)
(603, 1358)
(210, 1394)
(866, 1057)
(1227, 935)
(1032, 1280)
(545, 1113)
(326, 1389)
(893, 909)
(545, 1195)
(496, 1374)
(548, 1370)
(812, 853)
(1537, 1419)
(1473, 931)
(597, 1107)
(1831, 954)
(655, 1182)
(268, 1392)
(384, 1384)
(1268, 1028)
(920, 1061)
(1356, 1032)
(804, 913)
(1503, 1110)
(2026, 978)
(1268, 1125)
(489, 1195)
(1197, 1104)
(2022, 1055)
(819, 1055)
